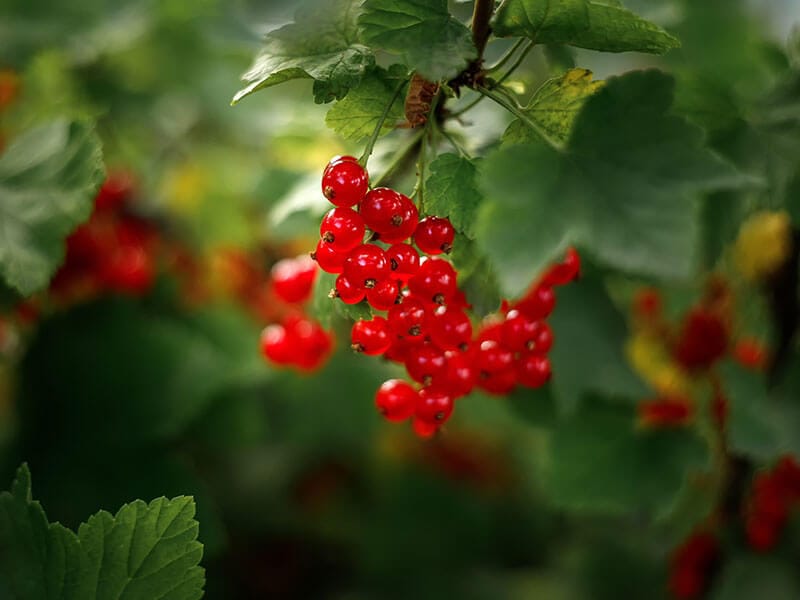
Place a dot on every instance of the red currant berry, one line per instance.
(520, 333)
(328, 259)
(424, 429)
(762, 533)
(398, 351)
(384, 295)
(434, 235)
(312, 343)
(342, 228)
(347, 291)
(116, 189)
(403, 260)
(293, 278)
(424, 362)
(491, 330)
(371, 337)
(381, 208)
(276, 345)
(450, 328)
(345, 183)
(403, 223)
(435, 281)
(408, 319)
(129, 269)
(366, 265)
(538, 303)
(493, 357)
(703, 340)
(533, 371)
(396, 400)
(750, 353)
(499, 383)
(564, 272)
(460, 377)
(340, 158)
(434, 406)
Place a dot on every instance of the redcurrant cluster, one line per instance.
(691, 565)
(297, 341)
(114, 251)
(774, 494)
(426, 327)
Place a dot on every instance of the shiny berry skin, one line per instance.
(383, 295)
(340, 158)
(450, 328)
(434, 406)
(460, 377)
(538, 303)
(434, 235)
(434, 282)
(491, 330)
(403, 223)
(345, 183)
(499, 383)
(493, 357)
(276, 345)
(424, 429)
(371, 337)
(398, 351)
(342, 228)
(347, 291)
(293, 278)
(384, 210)
(328, 259)
(533, 371)
(408, 319)
(312, 343)
(425, 362)
(396, 400)
(403, 260)
(564, 272)
(366, 265)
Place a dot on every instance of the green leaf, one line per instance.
(325, 308)
(475, 277)
(625, 188)
(321, 44)
(748, 577)
(48, 177)
(587, 354)
(429, 40)
(598, 462)
(451, 191)
(38, 560)
(144, 551)
(356, 116)
(554, 107)
(596, 25)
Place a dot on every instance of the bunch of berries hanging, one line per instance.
(400, 270)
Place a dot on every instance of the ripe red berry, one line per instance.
(564, 272)
(116, 189)
(533, 371)
(401, 346)
(425, 362)
(129, 269)
(460, 377)
(366, 265)
(311, 342)
(434, 282)
(403, 261)
(328, 259)
(344, 183)
(347, 291)
(499, 383)
(408, 319)
(703, 340)
(396, 400)
(521, 333)
(383, 295)
(276, 345)
(538, 303)
(762, 533)
(383, 210)
(434, 406)
(750, 353)
(450, 328)
(493, 357)
(403, 223)
(293, 278)
(340, 158)
(434, 235)
(665, 412)
(424, 429)
(371, 337)
(342, 228)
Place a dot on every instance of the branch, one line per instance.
(480, 24)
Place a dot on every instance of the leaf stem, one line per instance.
(517, 111)
(507, 56)
(481, 14)
(379, 125)
(517, 62)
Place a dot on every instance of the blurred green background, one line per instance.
(302, 490)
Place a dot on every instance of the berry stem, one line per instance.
(528, 47)
(517, 111)
(507, 56)
(481, 15)
(379, 125)
(398, 158)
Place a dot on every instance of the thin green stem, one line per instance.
(507, 56)
(430, 125)
(512, 107)
(398, 158)
(459, 148)
(379, 125)
(518, 62)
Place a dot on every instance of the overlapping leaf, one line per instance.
(451, 191)
(48, 178)
(603, 25)
(625, 188)
(321, 44)
(426, 36)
